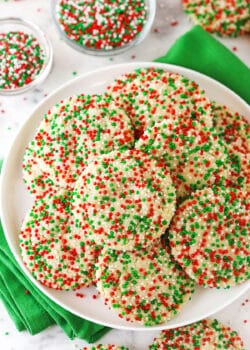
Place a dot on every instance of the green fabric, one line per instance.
(201, 52)
(30, 309)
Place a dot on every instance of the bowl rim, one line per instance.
(43, 41)
(115, 51)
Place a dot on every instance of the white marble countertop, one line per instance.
(68, 64)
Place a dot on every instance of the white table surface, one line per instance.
(68, 64)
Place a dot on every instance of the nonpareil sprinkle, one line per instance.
(205, 334)
(143, 285)
(21, 59)
(105, 347)
(225, 18)
(102, 24)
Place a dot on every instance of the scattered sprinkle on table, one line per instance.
(102, 24)
(174, 23)
(80, 295)
(21, 59)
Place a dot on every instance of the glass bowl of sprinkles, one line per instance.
(25, 56)
(103, 27)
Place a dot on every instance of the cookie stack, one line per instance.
(142, 191)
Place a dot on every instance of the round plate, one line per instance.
(15, 201)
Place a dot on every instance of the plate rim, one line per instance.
(11, 150)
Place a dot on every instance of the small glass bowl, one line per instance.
(151, 9)
(18, 24)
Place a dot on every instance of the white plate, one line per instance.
(15, 201)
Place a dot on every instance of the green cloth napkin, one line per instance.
(201, 52)
(30, 309)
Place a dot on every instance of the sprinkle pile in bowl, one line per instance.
(142, 191)
(103, 26)
(25, 56)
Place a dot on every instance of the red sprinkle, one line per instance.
(80, 295)
(174, 23)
